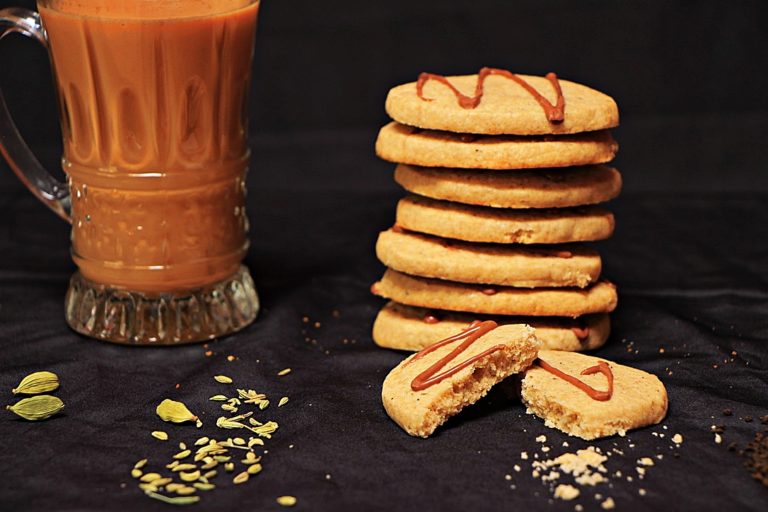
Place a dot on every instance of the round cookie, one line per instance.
(557, 188)
(508, 265)
(504, 226)
(402, 327)
(429, 387)
(638, 399)
(505, 107)
(435, 293)
(407, 145)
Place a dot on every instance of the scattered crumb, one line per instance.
(517, 468)
(718, 438)
(541, 439)
(507, 477)
(317, 325)
(677, 439)
(566, 492)
(524, 455)
(641, 492)
(608, 504)
(545, 449)
(208, 353)
(327, 476)
(645, 461)
(231, 358)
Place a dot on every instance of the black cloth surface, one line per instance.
(689, 283)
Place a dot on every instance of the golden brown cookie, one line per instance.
(497, 300)
(403, 144)
(550, 188)
(423, 391)
(505, 226)
(505, 107)
(638, 399)
(402, 327)
(510, 265)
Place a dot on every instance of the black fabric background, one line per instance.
(690, 256)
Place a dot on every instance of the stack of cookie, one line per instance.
(504, 173)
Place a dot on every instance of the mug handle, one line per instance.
(40, 182)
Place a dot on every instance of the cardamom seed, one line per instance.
(222, 379)
(218, 398)
(286, 501)
(189, 477)
(186, 490)
(241, 478)
(203, 487)
(136, 473)
(36, 383)
(175, 412)
(182, 454)
(229, 467)
(148, 477)
(140, 464)
(37, 407)
(282, 401)
(175, 500)
(159, 434)
(284, 372)
(254, 470)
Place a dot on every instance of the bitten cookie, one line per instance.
(438, 294)
(430, 148)
(494, 102)
(509, 265)
(589, 397)
(551, 188)
(403, 327)
(482, 224)
(429, 387)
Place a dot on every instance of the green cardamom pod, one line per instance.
(37, 407)
(36, 383)
(175, 412)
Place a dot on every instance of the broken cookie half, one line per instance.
(589, 397)
(429, 387)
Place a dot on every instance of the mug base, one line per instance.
(170, 318)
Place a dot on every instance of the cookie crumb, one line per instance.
(608, 504)
(641, 492)
(507, 477)
(541, 439)
(517, 468)
(718, 438)
(677, 439)
(645, 461)
(566, 492)
(524, 455)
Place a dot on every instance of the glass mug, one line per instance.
(153, 101)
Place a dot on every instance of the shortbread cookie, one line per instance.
(402, 327)
(482, 224)
(638, 398)
(435, 293)
(429, 387)
(510, 265)
(555, 188)
(404, 144)
(503, 107)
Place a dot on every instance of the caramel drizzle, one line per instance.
(581, 331)
(430, 376)
(555, 113)
(594, 394)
